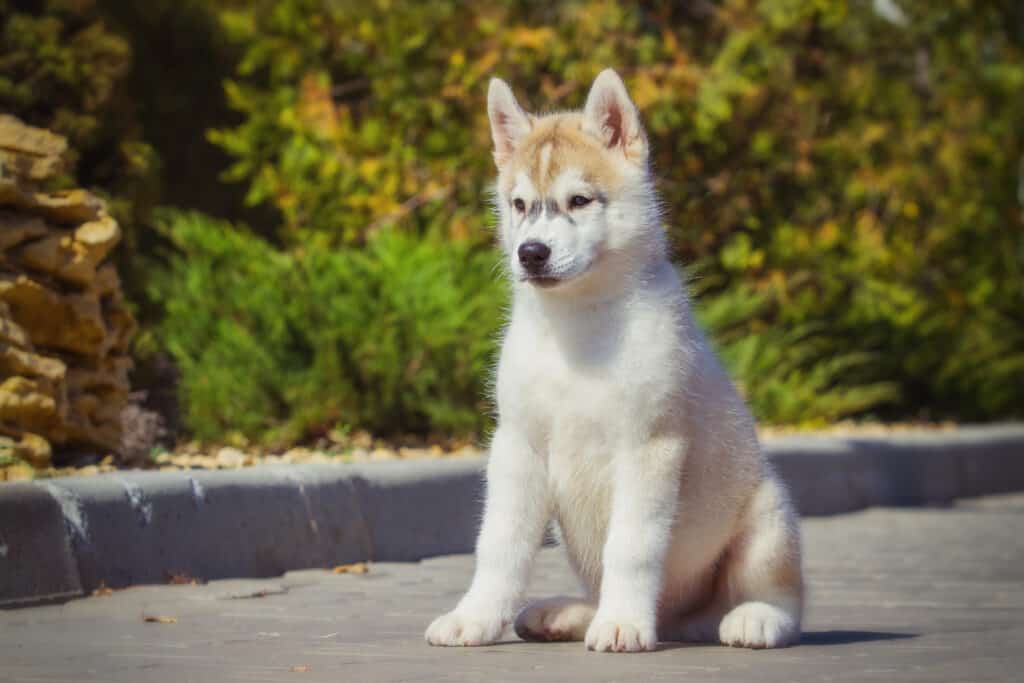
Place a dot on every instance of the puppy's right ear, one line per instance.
(509, 123)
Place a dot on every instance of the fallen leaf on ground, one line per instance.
(175, 579)
(301, 669)
(357, 568)
(102, 589)
(160, 620)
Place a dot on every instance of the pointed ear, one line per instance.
(509, 123)
(612, 118)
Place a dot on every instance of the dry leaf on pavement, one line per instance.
(102, 590)
(176, 579)
(160, 620)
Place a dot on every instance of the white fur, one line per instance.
(617, 421)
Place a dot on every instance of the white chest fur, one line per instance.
(588, 386)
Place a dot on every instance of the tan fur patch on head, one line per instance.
(556, 143)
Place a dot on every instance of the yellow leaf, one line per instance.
(316, 107)
(369, 167)
(357, 568)
(533, 38)
(645, 91)
(453, 91)
(484, 64)
(828, 233)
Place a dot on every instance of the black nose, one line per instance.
(533, 255)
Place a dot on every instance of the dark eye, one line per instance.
(519, 204)
(578, 201)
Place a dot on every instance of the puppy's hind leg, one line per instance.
(763, 574)
(758, 596)
(555, 619)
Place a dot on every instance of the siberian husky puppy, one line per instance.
(616, 419)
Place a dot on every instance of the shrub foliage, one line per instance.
(846, 180)
(288, 345)
(845, 177)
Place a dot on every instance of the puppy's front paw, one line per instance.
(620, 635)
(461, 629)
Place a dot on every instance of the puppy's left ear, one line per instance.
(612, 118)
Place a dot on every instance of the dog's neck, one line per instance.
(588, 326)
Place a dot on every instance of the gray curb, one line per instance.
(832, 475)
(64, 538)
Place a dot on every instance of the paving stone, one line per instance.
(905, 594)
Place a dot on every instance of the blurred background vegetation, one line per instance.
(303, 186)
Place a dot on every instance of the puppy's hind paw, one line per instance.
(555, 619)
(759, 625)
(457, 629)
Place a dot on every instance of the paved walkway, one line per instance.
(895, 595)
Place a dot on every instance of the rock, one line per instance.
(107, 283)
(30, 405)
(35, 450)
(15, 229)
(230, 457)
(73, 206)
(106, 377)
(65, 332)
(7, 452)
(73, 256)
(19, 471)
(94, 420)
(73, 322)
(121, 324)
(30, 153)
(15, 361)
(141, 430)
(11, 333)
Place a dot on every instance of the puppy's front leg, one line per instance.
(644, 501)
(516, 513)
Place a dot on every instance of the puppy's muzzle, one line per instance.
(533, 256)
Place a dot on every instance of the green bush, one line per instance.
(862, 173)
(789, 375)
(858, 173)
(849, 184)
(397, 337)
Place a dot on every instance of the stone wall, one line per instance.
(64, 329)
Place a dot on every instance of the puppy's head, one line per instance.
(574, 200)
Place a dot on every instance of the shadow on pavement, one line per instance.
(806, 638)
(849, 637)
